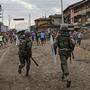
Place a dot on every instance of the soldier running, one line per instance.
(25, 52)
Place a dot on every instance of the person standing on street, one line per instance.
(33, 37)
(25, 52)
(37, 37)
(1, 41)
(79, 38)
(42, 37)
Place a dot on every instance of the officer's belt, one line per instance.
(65, 49)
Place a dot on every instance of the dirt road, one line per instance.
(48, 75)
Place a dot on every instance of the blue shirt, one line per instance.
(42, 35)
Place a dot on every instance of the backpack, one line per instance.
(64, 42)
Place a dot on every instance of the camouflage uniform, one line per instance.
(64, 53)
(65, 46)
(25, 52)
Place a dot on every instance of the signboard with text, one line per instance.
(18, 19)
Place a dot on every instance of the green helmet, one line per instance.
(20, 32)
(64, 30)
(27, 33)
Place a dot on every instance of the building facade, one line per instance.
(56, 20)
(42, 24)
(78, 13)
(4, 28)
(52, 22)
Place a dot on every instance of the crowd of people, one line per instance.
(3, 40)
(6, 39)
(40, 38)
(77, 36)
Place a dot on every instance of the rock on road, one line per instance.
(48, 75)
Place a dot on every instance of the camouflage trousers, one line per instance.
(24, 60)
(64, 55)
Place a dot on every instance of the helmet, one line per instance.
(27, 33)
(20, 33)
(64, 30)
(64, 27)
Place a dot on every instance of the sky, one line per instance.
(30, 8)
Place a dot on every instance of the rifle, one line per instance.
(34, 61)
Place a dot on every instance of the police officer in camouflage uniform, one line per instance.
(25, 52)
(64, 45)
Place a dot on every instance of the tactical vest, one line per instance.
(65, 43)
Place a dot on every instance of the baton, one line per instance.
(34, 61)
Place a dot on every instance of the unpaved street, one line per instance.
(48, 75)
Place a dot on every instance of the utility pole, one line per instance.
(9, 21)
(45, 15)
(62, 11)
(29, 22)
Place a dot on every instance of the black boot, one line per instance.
(68, 84)
(19, 70)
(27, 74)
(63, 78)
(28, 68)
